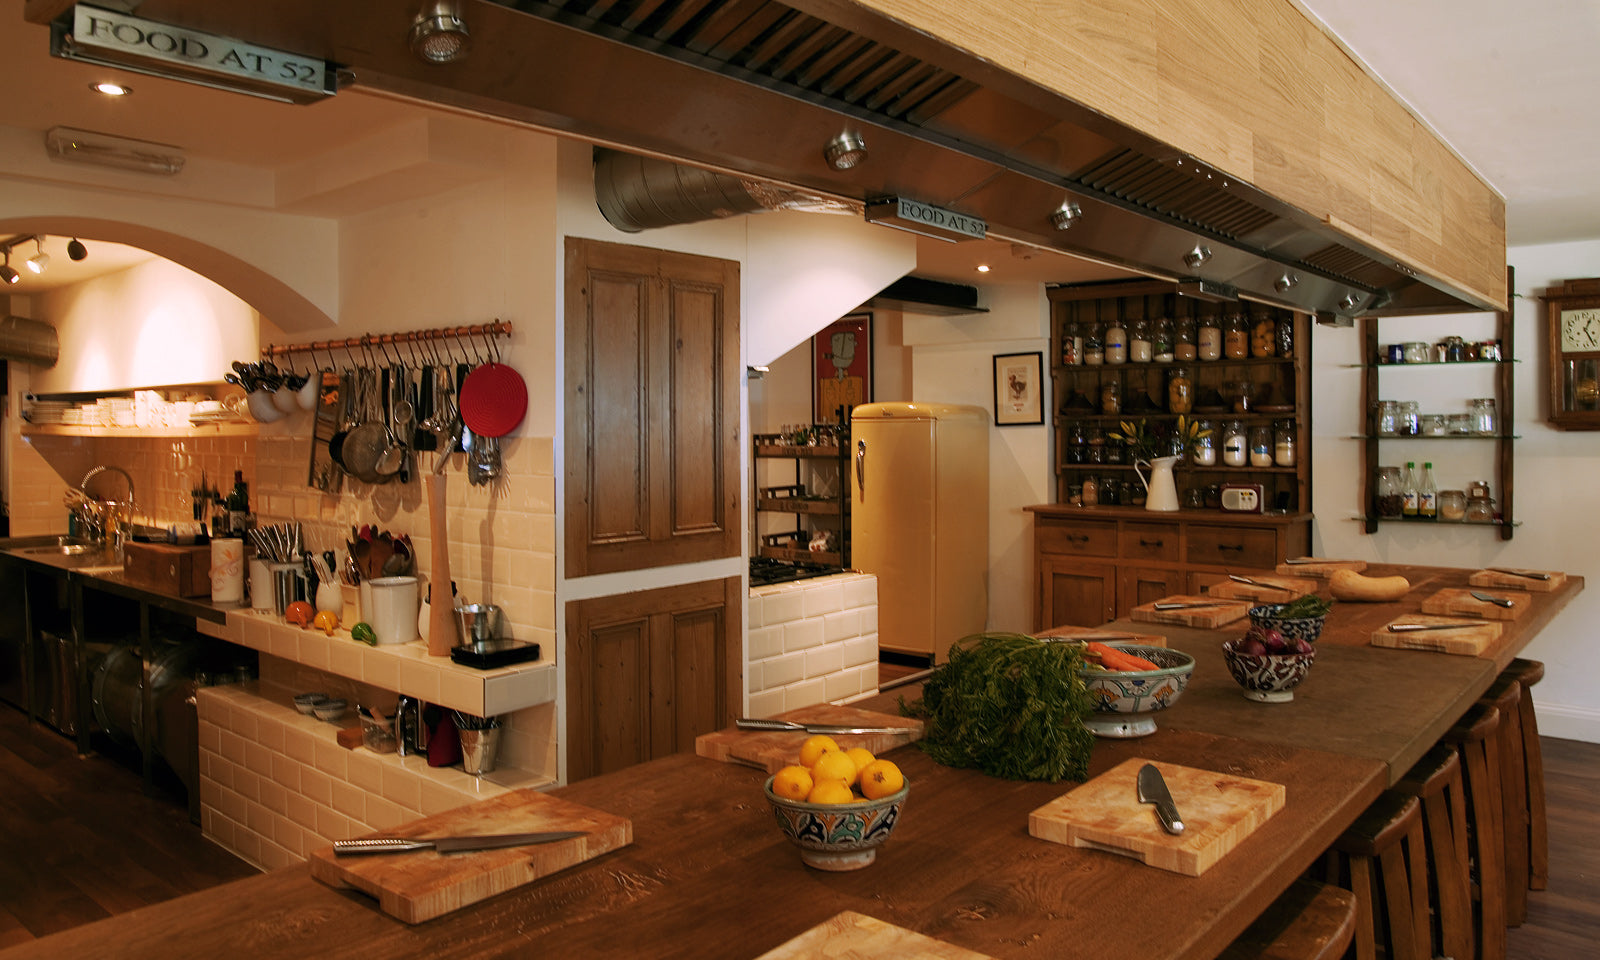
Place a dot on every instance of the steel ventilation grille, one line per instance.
(1160, 188)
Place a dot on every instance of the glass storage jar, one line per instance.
(1111, 395)
(1094, 349)
(1416, 351)
(1161, 340)
(1071, 344)
(1260, 445)
(1482, 413)
(1097, 445)
(1180, 390)
(1090, 494)
(1389, 502)
(1459, 424)
(1433, 425)
(1286, 337)
(1479, 511)
(1236, 337)
(1116, 341)
(1284, 443)
(1205, 444)
(1183, 342)
(1139, 348)
(1386, 418)
(1235, 451)
(1452, 505)
(1409, 421)
(1077, 444)
(1263, 336)
(1208, 338)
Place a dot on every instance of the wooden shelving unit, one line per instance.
(810, 513)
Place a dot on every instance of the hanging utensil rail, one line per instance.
(487, 332)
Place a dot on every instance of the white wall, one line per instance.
(1557, 498)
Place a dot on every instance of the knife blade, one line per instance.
(1413, 627)
(1189, 606)
(352, 848)
(1314, 560)
(1491, 598)
(1521, 573)
(752, 723)
(1256, 583)
(1152, 788)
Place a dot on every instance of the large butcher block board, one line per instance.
(1219, 811)
(1210, 616)
(1470, 639)
(1103, 635)
(1264, 590)
(850, 935)
(772, 750)
(1499, 578)
(419, 886)
(1454, 601)
(1313, 567)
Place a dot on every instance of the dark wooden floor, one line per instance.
(81, 841)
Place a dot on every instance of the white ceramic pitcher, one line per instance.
(1161, 492)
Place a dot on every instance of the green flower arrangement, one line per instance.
(1146, 440)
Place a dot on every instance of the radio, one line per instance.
(1242, 497)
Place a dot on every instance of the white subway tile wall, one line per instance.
(812, 641)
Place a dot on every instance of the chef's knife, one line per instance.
(1413, 627)
(350, 848)
(1491, 598)
(1521, 573)
(749, 723)
(1314, 560)
(1153, 789)
(1189, 606)
(1256, 583)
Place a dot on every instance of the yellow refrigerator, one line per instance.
(919, 520)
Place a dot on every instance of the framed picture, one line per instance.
(841, 367)
(1018, 391)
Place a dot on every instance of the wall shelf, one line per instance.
(143, 433)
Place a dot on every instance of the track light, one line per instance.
(1199, 255)
(76, 250)
(39, 260)
(845, 151)
(1284, 283)
(438, 34)
(6, 273)
(1066, 216)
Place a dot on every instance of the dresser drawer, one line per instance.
(1077, 538)
(1149, 541)
(1232, 547)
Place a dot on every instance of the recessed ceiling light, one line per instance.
(111, 89)
(845, 151)
(983, 268)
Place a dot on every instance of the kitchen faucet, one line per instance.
(102, 519)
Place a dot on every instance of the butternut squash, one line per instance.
(1349, 585)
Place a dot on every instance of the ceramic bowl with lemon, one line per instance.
(837, 825)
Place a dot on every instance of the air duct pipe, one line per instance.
(29, 341)
(642, 193)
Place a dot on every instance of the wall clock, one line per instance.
(1572, 323)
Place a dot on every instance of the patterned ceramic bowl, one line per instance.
(1304, 628)
(1125, 700)
(1269, 678)
(837, 836)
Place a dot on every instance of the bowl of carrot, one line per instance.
(1130, 683)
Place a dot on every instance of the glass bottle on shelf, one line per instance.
(1071, 343)
(1283, 443)
(1408, 491)
(1260, 445)
(1116, 338)
(1427, 494)
(1094, 353)
(1205, 445)
(1180, 390)
(1208, 338)
(1162, 340)
(1234, 452)
(1111, 395)
(1139, 348)
(1263, 335)
(1183, 343)
(1391, 504)
(1236, 337)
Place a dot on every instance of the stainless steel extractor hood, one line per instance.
(758, 90)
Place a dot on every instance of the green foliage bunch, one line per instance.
(1009, 705)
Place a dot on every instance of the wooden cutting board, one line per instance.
(1218, 809)
(1496, 578)
(414, 887)
(1279, 589)
(1207, 617)
(849, 934)
(1469, 640)
(1458, 602)
(1104, 635)
(772, 750)
(1320, 568)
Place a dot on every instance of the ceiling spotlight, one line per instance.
(983, 268)
(1199, 255)
(1066, 216)
(76, 250)
(111, 89)
(438, 34)
(39, 260)
(1349, 301)
(6, 273)
(1285, 282)
(845, 151)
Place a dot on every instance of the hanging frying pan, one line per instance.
(493, 400)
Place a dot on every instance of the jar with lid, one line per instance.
(1236, 337)
(1097, 445)
(1482, 413)
(1235, 452)
(1213, 496)
(1116, 450)
(1241, 394)
(1111, 492)
(1075, 494)
(1386, 418)
(1139, 348)
(1455, 350)
(1111, 395)
(1452, 506)
(1091, 491)
(1161, 340)
(1416, 351)
(1260, 445)
(1459, 424)
(1286, 337)
(1480, 510)
(1389, 502)
(1180, 390)
(1094, 351)
(1284, 443)
(1478, 490)
(1183, 342)
(1409, 421)
(1116, 340)
(1263, 335)
(1433, 425)
(1194, 498)
(1208, 337)
(1071, 344)
(1077, 444)
(1205, 444)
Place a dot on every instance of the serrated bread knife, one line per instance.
(1153, 789)
(351, 848)
(831, 729)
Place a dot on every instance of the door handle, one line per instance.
(861, 468)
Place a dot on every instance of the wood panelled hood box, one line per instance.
(943, 125)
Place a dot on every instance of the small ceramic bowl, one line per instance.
(1124, 700)
(1268, 678)
(306, 702)
(837, 836)
(329, 710)
(1292, 628)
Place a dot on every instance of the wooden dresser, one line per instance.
(1094, 564)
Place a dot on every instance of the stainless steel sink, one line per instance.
(60, 550)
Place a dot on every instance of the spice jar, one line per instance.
(1390, 503)
(1205, 444)
(1208, 339)
(1111, 396)
(1162, 342)
(1180, 390)
(1263, 336)
(1236, 337)
(1452, 505)
(1183, 343)
(1261, 445)
(1234, 452)
(1479, 511)
(1283, 443)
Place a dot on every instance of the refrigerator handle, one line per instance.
(861, 467)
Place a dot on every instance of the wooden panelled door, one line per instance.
(648, 672)
(652, 408)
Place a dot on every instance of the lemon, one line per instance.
(830, 791)
(860, 756)
(834, 765)
(880, 778)
(815, 747)
(792, 783)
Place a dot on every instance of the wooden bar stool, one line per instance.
(1381, 860)
(1309, 921)
(1436, 781)
(1527, 673)
(1506, 696)
(1474, 739)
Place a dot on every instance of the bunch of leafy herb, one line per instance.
(1009, 705)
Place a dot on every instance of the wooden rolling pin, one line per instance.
(442, 632)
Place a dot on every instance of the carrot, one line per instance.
(1113, 659)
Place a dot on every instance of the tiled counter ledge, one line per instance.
(275, 784)
(405, 668)
(812, 641)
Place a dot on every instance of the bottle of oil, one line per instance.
(1408, 491)
(1427, 494)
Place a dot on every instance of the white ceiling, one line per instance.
(1509, 87)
